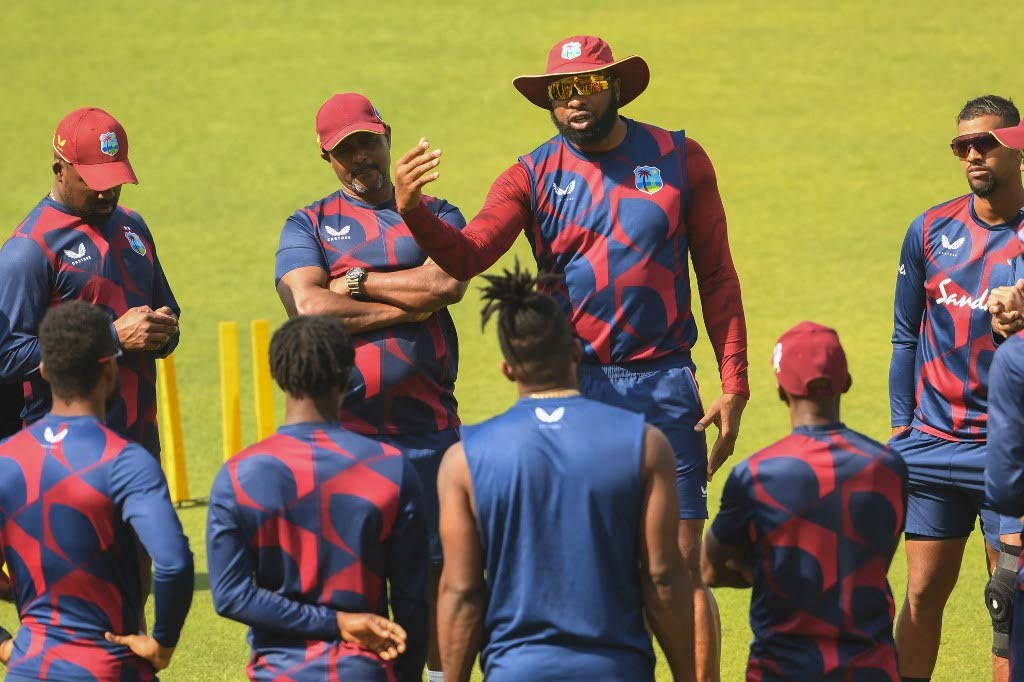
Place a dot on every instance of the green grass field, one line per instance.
(828, 124)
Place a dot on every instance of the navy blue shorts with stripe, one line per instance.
(665, 391)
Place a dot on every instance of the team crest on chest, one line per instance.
(134, 241)
(108, 144)
(648, 179)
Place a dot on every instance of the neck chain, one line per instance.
(555, 393)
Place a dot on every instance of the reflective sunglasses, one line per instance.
(982, 143)
(583, 85)
(110, 358)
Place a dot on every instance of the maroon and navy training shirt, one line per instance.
(821, 512)
(404, 377)
(55, 256)
(618, 228)
(942, 331)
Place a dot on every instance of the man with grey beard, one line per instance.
(953, 255)
(351, 255)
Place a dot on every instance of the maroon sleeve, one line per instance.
(717, 281)
(466, 253)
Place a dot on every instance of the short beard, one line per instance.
(984, 189)
(362, 190)
(602, 127)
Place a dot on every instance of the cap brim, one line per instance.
(359, 127)
(632, 72)
(1011, 137)
(103, 176)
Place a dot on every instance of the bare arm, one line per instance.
(461, 598)
(425, 289)
(304, 291)
(725, 565)
(727, 554)
(667, 592)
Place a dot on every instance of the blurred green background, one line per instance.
(828, 124)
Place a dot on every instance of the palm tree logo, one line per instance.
(648, 179)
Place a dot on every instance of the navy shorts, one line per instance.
(665, 392)
(425, 451)
(946, 490)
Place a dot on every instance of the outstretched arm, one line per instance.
(462, 254)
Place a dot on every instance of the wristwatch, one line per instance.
(354, 279)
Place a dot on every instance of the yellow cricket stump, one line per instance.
(173, 444)
(263, 396)
(230, 403)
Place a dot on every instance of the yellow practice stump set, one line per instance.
(230, 404)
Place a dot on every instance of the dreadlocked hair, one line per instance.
(311, 355)
(533, 331)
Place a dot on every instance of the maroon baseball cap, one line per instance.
(806, 353)
(585, 54)
(94, 143)
(343, 115)
(1012, 137)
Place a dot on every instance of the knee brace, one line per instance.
(999, 598)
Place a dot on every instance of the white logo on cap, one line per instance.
(777, 358)
(571, 50)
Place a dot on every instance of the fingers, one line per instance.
(710, 418)
(162, 319)
(123, 640)
(415, 151)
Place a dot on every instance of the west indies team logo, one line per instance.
(648, 179)
(571, 50)
(108, 144)
(138, 246)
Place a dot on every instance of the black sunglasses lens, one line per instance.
(982, 144)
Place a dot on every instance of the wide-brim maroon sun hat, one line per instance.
(580, 55)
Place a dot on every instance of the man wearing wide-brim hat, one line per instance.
(614, 207)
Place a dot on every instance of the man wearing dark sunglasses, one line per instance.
(615, 208)
(953, 255)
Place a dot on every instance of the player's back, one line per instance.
(826, 510)
(73, 561)
(315, 509)
(558, 495)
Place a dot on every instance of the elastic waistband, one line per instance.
(636, 367)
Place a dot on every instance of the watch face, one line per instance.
(356, 273)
